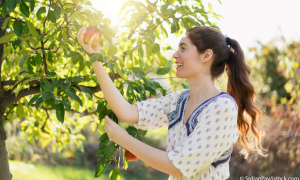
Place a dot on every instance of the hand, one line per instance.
(115, 132)
(89, 48)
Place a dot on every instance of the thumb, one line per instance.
(107, 118)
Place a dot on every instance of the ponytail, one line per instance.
(229, 56)
(241, 89)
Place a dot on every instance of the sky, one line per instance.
(244, 20)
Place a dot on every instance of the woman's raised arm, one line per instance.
(123, 110)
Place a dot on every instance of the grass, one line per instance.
(26, 171)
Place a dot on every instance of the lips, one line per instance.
(179, 64)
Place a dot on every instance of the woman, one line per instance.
(203, 123)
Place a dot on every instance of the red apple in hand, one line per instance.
(129, 156)
(90, 31)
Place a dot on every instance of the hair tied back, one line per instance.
(228, 41)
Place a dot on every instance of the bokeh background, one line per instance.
(269, 33)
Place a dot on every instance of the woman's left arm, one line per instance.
(156, 158)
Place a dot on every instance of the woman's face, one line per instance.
(193, 62)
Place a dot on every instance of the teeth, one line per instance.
(179, 64)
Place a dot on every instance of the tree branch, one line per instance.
(44, 57)
(5, 103)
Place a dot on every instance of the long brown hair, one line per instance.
(232, 59)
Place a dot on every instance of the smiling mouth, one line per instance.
(178, 64)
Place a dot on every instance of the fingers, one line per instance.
(90, 43)
(81, 35)
(80, 31)
(107, 119)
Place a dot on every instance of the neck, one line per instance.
(202, 88)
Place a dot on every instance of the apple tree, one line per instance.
(47, 81)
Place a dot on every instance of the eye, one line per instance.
(182, 48)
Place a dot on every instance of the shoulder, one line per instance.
(224, 101)
(177, 94)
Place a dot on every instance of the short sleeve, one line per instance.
(215, 133)
(153, 113)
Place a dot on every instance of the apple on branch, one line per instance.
(129, 156)
(90, 31)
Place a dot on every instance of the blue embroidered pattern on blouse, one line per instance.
(192, 121)
(175, 116)
(224, 158)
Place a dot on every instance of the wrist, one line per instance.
(127, 139)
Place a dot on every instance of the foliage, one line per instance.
(47, 77)
(276, 67)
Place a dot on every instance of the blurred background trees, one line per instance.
(52, 105)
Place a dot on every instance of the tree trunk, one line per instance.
(4, 166)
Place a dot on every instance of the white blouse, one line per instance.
(201, 148)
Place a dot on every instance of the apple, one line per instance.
(90, 31)
(129, 156)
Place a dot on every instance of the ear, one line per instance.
(208, 54)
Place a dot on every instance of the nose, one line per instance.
(175, 55)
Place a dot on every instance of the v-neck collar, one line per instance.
(183, 112)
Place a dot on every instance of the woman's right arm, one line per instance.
(124, 111)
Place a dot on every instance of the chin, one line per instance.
(180, 75)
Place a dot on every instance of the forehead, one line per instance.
(184, 40)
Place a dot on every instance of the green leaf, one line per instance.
(46, 85)
(138, 72)
(103, 137)
(112, 50)
(6, 22)
(24, 72)
(106, 21)
(66, 103)
(16, 43)
(40, 11)
(101, 106)
(24, 9)
(51, 74)
(32, 5)
(101, 166)
(47, 95)
(38, 59)
(30, 64)
(69, 10)
(163, 71)
(51, 16)
(11, 4)
(38, 102)
(33, 99)
(20, 111)
(86, 90)
(210, 6)
(31, 28)
(132, 131)
(73, 96)
(65, 84)
(114, 175)
(95, 57)
(3, 10)
(18, 28)
(184, 86)
(57, 11)
(50, 58)
(141, 133)
(60, 112)
(7, 37)
(23, 58)
(56, 84)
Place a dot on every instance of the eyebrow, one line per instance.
(182, 44)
